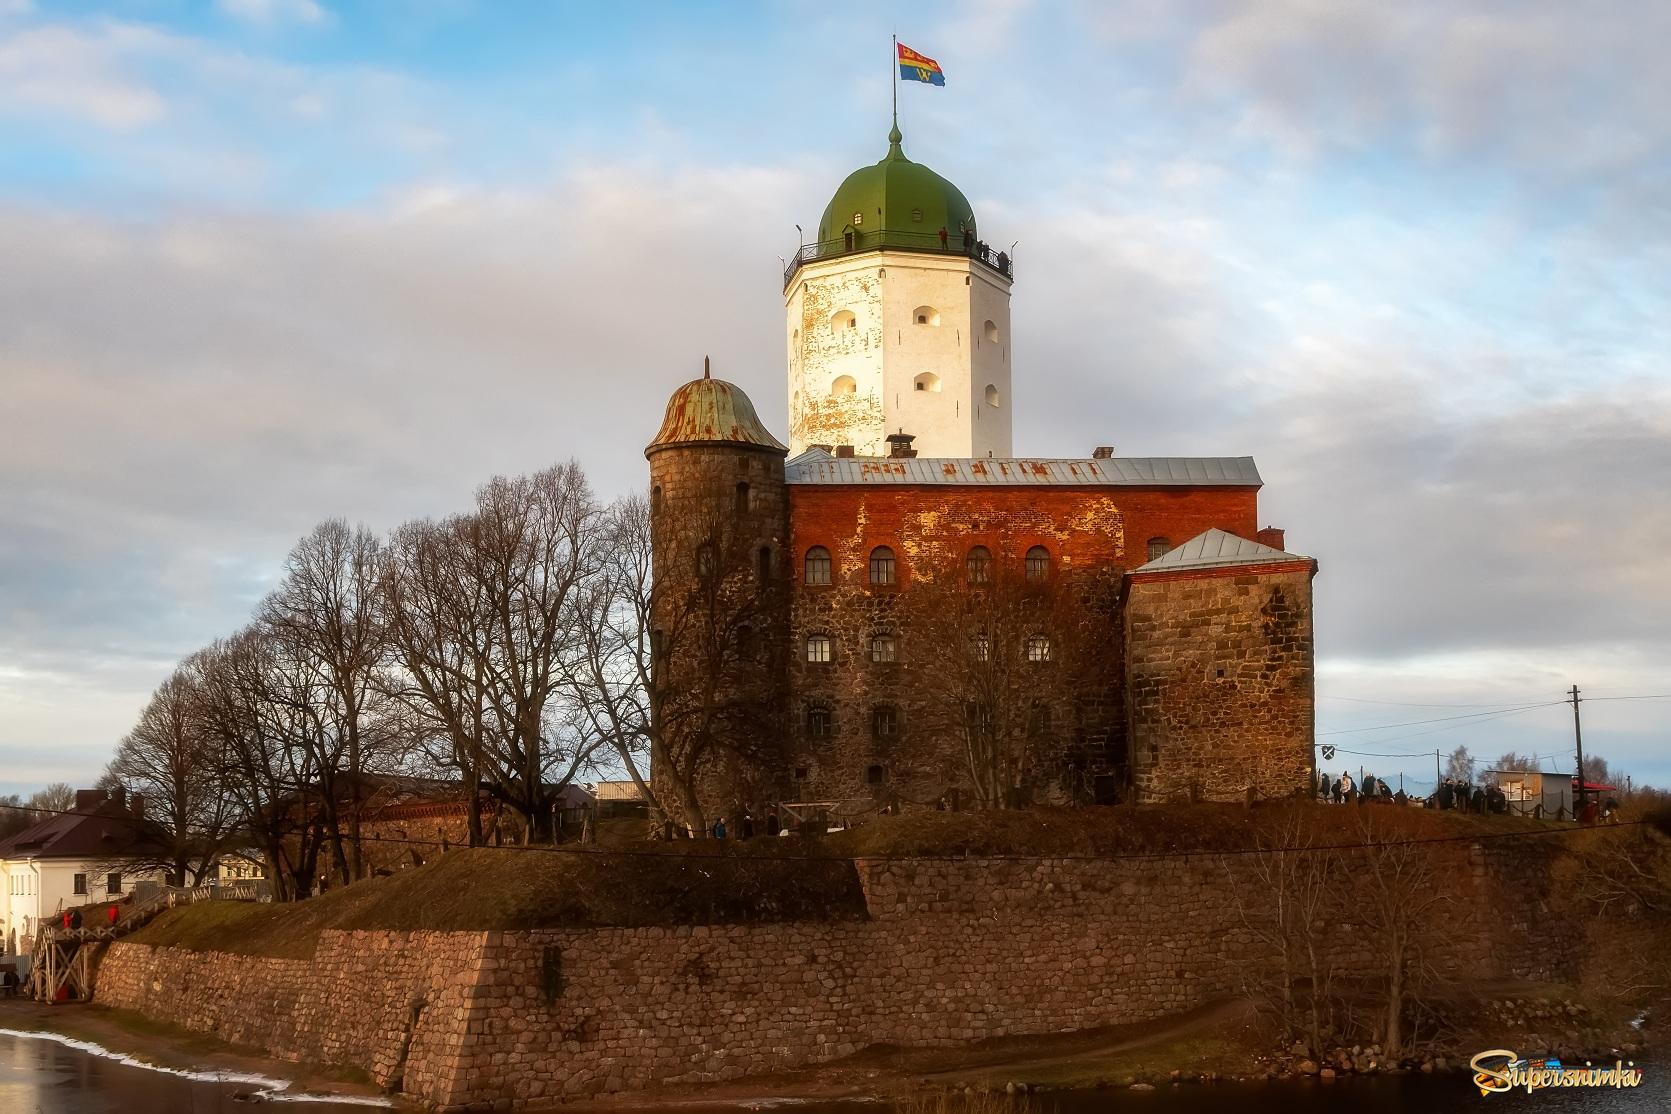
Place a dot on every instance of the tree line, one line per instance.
(505, 648)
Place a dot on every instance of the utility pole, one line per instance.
(1578, 740)
(1438, 777)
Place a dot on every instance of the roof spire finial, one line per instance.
(707, 372)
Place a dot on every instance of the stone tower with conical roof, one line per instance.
(719, 527)
(898, 320)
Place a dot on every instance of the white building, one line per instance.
(97, 852)
(898, 321)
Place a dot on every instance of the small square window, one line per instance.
(113, 884)
(884, 721)
(875, 775)
(819, 723)
(883, 648)
(858, 219)
(81, 884)
(916, 216)
(820, 648)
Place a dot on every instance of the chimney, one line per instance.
(899, 445)
(86, 800)
(1271, 536)
(1102, 452)
(844, 450)
(825, 448)
(118, 794)
(136, 806)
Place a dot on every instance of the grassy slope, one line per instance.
(705, 882)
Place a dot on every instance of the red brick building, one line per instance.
(1170, 653)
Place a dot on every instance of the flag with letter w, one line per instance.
(918, 67)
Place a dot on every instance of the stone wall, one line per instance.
(953, 951)
(1220, 681)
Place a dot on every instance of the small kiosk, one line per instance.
(1536, 793)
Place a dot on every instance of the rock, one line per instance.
(1142, 1086)
(1299, 1049)
(1326, 1074)
(1441, 1064)
(1307, 1067)
(1009, 1088)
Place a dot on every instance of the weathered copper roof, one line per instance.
(712, 412)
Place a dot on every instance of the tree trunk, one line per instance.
(1394, 1043)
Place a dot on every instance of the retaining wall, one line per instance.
(953, 951)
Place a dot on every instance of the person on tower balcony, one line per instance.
(942, 237)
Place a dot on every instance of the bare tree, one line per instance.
(169, 759)
(438, 621)
(1287, 911)
(612, 683)
(57, 797)
(257, 732)
(328, 625)
(1005, 652)
(1460, 765)
(1399, 894)
(486, 614)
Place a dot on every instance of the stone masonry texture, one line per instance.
(952, 951)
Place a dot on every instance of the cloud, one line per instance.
(1542, 86)
(269, 13)
(80, 74)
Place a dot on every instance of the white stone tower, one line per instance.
(898, 320)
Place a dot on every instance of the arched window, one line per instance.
(980, 647)
(844, 385)
(991, 332)
(991, 395)
(842, 320)
(1038, 648)
(875, 775)
(884, 721)
(742, 497)
(883, 648)
(819, 722)
(817, 565)
(1038, 563)
(655, 499)
(927, 381)
(705, 559)
(764, 563)
(980, 565)
(926, 315)
(882, 565)
(820, 648)
(1159, 547)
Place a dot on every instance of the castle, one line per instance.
(892, 610)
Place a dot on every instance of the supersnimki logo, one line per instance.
(1502, 1070)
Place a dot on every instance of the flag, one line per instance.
(918, 67)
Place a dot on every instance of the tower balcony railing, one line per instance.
(855, 241)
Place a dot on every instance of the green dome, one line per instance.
(898, 203)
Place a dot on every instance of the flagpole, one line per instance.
(893, 68)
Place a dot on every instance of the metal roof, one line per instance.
(815, 466)
(709, 411)
(1215, 549)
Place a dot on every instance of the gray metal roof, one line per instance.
(815, 466)
(1215, 549)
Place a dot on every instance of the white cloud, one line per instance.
(268, 13)
(80, 74)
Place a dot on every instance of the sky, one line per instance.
(265, 262)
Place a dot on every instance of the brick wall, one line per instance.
(1091, 533)
(953, 951)
(1219, 683)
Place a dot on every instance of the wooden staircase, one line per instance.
(64, 960)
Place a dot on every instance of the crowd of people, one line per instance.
(1451, 793)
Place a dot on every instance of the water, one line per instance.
(39, 1076)
(44, 1077)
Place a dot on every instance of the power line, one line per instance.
(1415, 704)
(1440, 719)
